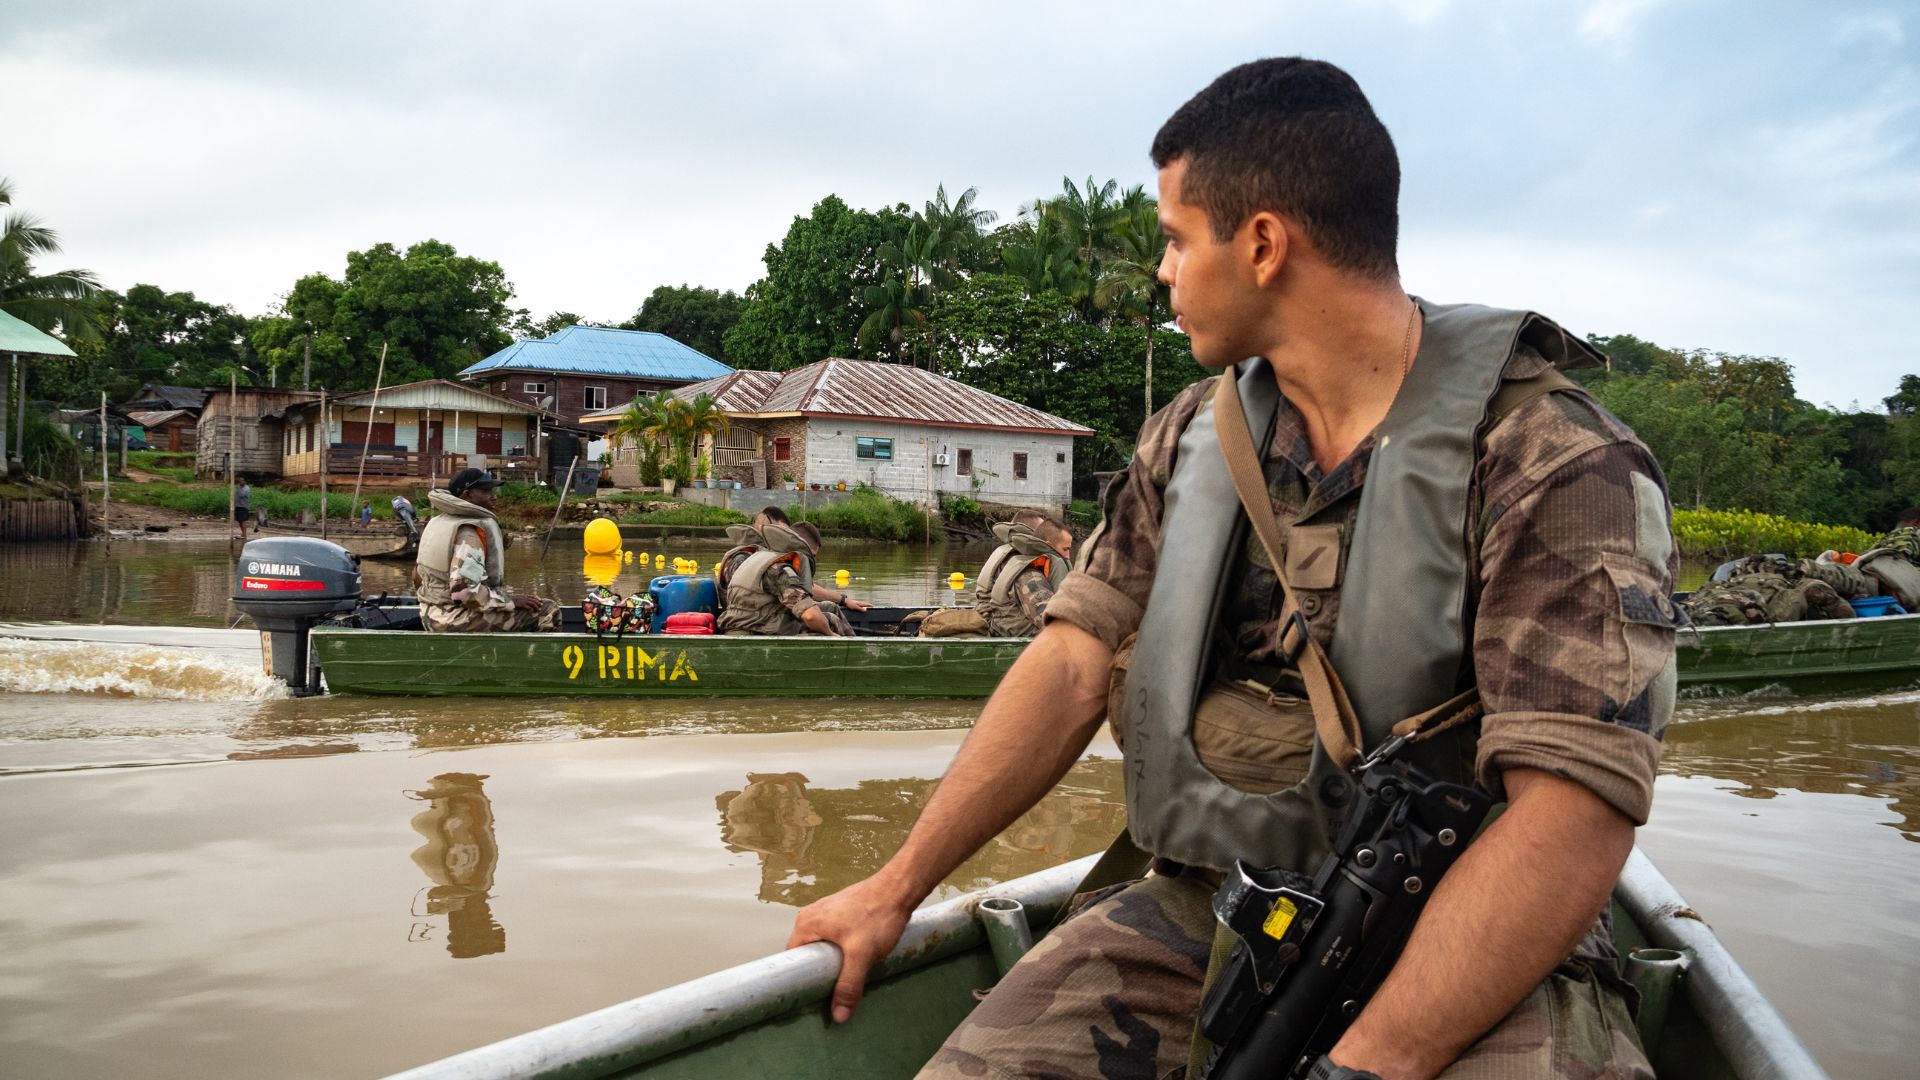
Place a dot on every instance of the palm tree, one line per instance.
(1089, 216)
(1130, 286)
(912, 265)
(959, 226)
(702, 418)
(62, 300)
(642, 426)
(1043, 258)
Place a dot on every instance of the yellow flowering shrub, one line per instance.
(1727, 534)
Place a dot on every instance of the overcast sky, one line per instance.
(1731, 174)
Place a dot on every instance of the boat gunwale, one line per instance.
(672, 1019)
(1749, 1031)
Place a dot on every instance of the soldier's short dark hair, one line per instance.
(1908, 518)
(773, 514)
(809, 532)
(1298, 137)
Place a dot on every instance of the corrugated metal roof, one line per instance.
(153, 418)
(19, 337)
(437, 394)
(596, 350)
(872, 390)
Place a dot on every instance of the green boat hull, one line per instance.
(658, 665)
(1829, 656)
(768, 1017)
(1808, 657)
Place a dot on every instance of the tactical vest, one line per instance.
(746, 540)
(1015, 539)
(435, 560)
(753, 608)
(1402, 641)
(1007, 617)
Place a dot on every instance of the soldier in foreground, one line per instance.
(460, 572)
(1426, 470)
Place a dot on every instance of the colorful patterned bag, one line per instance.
(606, 612)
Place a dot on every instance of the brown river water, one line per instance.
(202, 877)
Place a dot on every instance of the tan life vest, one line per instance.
(1008, 618)
(751, 607)
(434, 563)
(746, 540)
(1409, 548)
(1015, 539)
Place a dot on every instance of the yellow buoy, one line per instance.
(841, 577)
(600, 569)
(602, 537)
(659, 562)
(629, 556)
(956, 580)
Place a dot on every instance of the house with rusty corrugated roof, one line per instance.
(586, 369)
(908, 432)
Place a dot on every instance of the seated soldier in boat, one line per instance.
(747, 540)
(460, 573)
(771, 591)
(1012, 589)
(1034, 557)
(1764, 591)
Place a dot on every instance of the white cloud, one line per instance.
(1882, 27)
(1611, 23)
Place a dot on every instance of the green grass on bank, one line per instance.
(210, 500)
(868, 513)
(175, 467)
(684, 514)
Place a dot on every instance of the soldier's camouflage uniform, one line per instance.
(1763, 591)
(1904, 540)
(1032, 591)
(477, 607)
(1570, 568)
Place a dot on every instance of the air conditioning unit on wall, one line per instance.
(940, 460)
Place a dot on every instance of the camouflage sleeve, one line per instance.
(1573, 645)
(793, 595)
(1113, 574)
(1033, 591)
(467, 574)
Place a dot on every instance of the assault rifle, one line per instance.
(1311, 951)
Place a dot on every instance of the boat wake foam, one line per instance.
(135, 671)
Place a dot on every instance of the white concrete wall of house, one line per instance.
(748, 500)
(914, 475)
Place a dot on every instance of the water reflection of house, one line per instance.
(415, 431)
(908, 432)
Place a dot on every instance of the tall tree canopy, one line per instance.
(696, 317)
(813, 299)
(435, 310)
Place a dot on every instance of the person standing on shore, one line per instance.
(243, 507)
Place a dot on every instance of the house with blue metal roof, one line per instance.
(585, 369)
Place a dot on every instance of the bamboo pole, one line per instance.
(106, 489)
(233, 429)
(372, 411)
(557, 507)
(19, 412)
(326, 459)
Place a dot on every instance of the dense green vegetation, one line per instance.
(1057, 309)
(683, 514)
(866, 512)
(1725, 534)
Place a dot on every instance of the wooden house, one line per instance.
(247, 424)
(426, 430)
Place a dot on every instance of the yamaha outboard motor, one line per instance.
(403, 509)
(286, 584)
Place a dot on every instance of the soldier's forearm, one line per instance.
(1512, 908)
(1031, 732)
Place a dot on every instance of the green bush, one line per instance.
(210, 500)
(49, 452)
(869, 513)
(176, 467)
(1084, 512)
(1727, 534)
(517, 493)
(957, 506)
